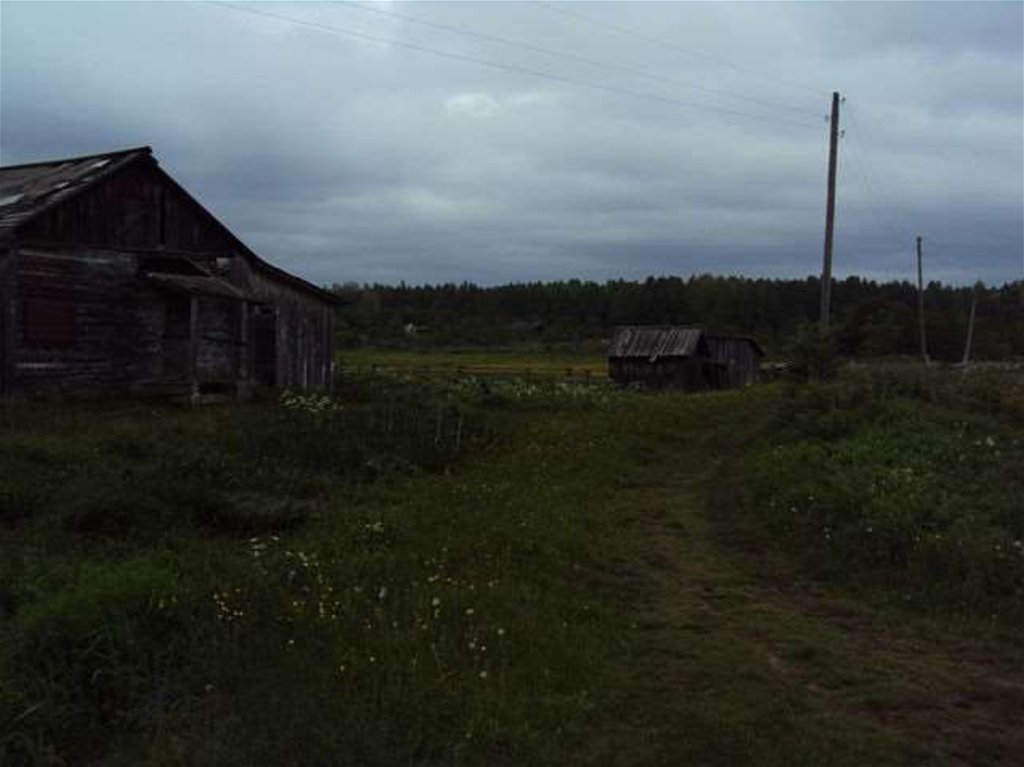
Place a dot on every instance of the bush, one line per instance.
(812, 357)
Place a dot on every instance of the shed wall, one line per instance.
(686, 373)
(740, 359)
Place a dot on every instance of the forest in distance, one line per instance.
(869, 318)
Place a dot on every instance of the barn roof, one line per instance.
(26, 191)
(653, 341)
(29, 190)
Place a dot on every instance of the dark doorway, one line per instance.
(177, 350)
(264, 337)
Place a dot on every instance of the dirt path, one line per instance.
(728, 666)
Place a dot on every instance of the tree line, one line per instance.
(868, 318)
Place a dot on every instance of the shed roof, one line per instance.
(29, 190)
(651, 342)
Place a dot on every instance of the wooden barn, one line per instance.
(115, 280)
(692, 359)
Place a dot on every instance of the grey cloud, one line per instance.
(342, 159)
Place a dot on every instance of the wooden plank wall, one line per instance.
(686, 373)
(134, 209)
(739, 356)
(113, 343)
(304, 330)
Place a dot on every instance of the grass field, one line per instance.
(510, 362)
(531, 574)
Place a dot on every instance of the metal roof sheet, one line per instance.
(652, 342)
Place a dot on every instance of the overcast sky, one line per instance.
(550, 140)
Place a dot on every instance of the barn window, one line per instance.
(49, 321)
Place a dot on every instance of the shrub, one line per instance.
(812, 357)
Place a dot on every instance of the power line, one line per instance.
(871, 177)
(504, 67)
(559, 8)
(877, 204)
(572, 57)
(980, 238)
(887, 224)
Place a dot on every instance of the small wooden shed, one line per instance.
(115, 280)
(673, 357)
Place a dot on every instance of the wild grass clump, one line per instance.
(920, 498)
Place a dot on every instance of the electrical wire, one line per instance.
(856, 133)
(560, 8)
(851, 170)
(331, 29)
(881, 210)
(884, 210)
(565, 56)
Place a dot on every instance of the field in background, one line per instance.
(451, 570)
(476, 362)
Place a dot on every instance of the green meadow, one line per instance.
(480, 570)
(514, 362)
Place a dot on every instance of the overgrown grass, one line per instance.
(901, 481)
(226, 587)
(473, 572)
(512, 361)
(507, 393)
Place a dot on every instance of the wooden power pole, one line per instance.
(830, 215)
(920, 303)
(970, 327)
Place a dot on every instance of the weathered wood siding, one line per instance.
(303, 332)
(740, 359)
(139, 208)
(97, 292)
(686, 373)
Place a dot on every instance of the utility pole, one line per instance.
(830, 214)
(920, 303)
(970, 327)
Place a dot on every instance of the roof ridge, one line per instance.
(147, 149)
